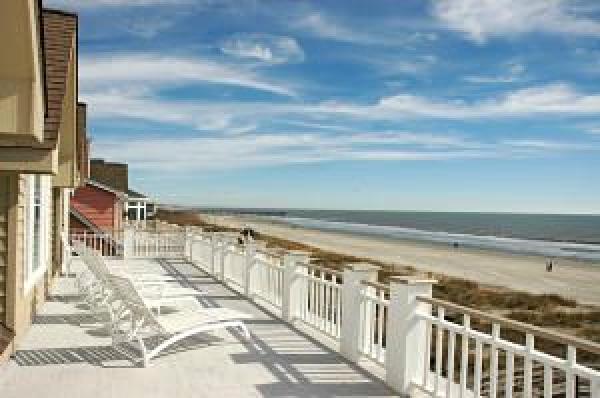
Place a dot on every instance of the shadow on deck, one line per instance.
(67, 353)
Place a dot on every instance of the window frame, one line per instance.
(34, 272)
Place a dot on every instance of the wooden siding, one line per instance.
(4, 206)
(99, 206)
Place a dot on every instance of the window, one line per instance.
(36, 229)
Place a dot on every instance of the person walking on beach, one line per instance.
(549, 266)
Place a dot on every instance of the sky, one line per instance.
(444, 105)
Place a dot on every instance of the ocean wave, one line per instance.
(550, 249)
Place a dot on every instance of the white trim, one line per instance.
(30, 276)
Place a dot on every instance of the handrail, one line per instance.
(585, 345)
(324, 269)
(376, 285)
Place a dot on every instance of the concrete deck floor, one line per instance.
(68, 354)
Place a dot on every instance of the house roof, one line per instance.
(112, 174)
(59, 36)
(131, 194)
(105, 188)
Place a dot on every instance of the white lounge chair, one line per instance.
(134, 320)
(157, 292)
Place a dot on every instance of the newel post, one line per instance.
(294, 285)
(128, 241)
(406, 332)
(352, 289)
(251, 252)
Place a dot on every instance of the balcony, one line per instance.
(315, 332)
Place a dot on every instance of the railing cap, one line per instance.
(361, 267)
(412, 280)
(297, 253)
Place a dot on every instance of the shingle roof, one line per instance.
(131, 194)
(59, 33)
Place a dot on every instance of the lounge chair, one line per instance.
(157, 291)
(133, 320)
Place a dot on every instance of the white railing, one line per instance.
(234, 259)
(373, 320)
(266, 278)
(322, 300)
(147, 244)
(483, 376)
(109, 244)
(393, 325)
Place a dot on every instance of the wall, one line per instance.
(97, 205)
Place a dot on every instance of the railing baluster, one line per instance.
(450, 369)
(438, 350)
(464, 360)
(510, 370)
(380, 326)
(478, 368)
(570, 378)
(494, 361)
(547, 381)
(426, 368)
(529, 347)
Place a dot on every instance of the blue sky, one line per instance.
(451, 105)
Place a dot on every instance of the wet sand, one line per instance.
(571, 278)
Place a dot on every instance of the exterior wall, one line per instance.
(99, 206)
(21, 300)
(5, 183)
(21, 93)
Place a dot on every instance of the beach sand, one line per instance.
(571, 279)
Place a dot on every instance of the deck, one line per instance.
(67, 353)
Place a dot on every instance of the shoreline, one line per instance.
(571, 278)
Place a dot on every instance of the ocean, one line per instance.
(550, 235)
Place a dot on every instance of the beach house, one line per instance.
(105, 203)
(43, 155)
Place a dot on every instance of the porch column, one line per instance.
(352, 290)
(293, 292)
(406, 338)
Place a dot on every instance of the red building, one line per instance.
(97, 207)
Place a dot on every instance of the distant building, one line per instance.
(105, 203)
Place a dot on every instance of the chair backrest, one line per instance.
(130, 297)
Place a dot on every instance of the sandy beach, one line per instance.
(573, 279)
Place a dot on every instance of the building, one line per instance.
(105, 203)
(43, 155)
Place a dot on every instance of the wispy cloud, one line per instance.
(155, 69)
(558, 98)
(263, 47)
(482, 19)
(267, 149)
(513, 72)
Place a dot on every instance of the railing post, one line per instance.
(406, 333)
(293, 294)
(353, 275)
(128, 242)
(249, 264)
(187, 242)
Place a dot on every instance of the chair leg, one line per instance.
(145, 358)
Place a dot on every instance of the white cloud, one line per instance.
(514, 72)
(558, 98)
(276, 149)
(482, 19)
(264, 47)
(325, 27)
(155, 70)
(267, 149)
